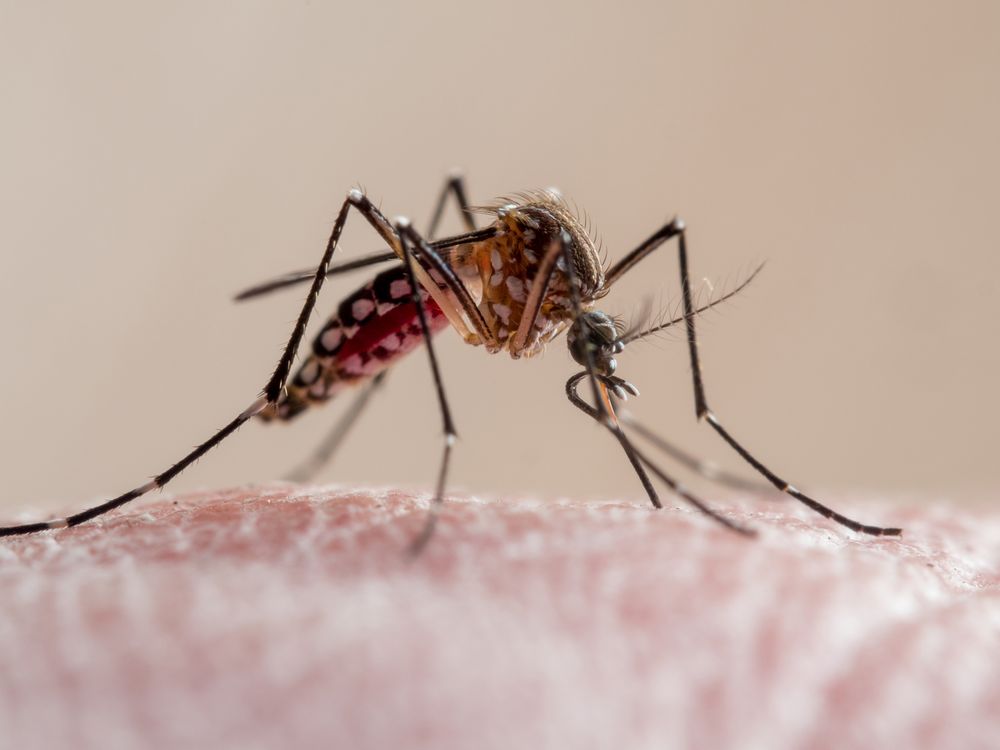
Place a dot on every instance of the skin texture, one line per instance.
(290, 616)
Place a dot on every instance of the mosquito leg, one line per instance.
(671, 229)
(300, 277)
(432, 258)
(626, 444)
(272, 390)
(159, 481)
(603, 412)
(559, 253)
(675, 228)
(703, 468)
(638, 459)
(560, 250)
(454, 185)
(409, 239)
(308, 469)
(704, 412)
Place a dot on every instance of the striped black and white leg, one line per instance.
(454, 186)
(410, 239)
(272, 390)
(676, 228)
(639, 459)
(604, 414)
(706, 469)
(307, 470)
(600, 411)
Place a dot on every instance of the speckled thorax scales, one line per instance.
(378, 323)
(507, 265)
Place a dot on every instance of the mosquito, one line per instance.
(515, 285)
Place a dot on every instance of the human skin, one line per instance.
(288, 616)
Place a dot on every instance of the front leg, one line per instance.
(676, 228)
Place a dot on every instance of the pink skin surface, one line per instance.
(290, 616)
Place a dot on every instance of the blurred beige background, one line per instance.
(158, 159)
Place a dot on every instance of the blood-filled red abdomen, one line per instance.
(372, 329)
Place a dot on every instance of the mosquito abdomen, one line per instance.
(373, 328)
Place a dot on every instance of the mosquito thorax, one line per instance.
(529, 226)
(539, 220)
(596, 334)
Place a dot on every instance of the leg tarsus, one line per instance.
(606, 422)
(85, 515)
(676, 228)
(704, 412)
(789, 489)
(638, 459)
(407, 236)
(272, 390)
(706, 469)
(419, 543)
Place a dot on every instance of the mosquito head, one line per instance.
(596, 333)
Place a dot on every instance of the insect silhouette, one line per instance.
(515, 285)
